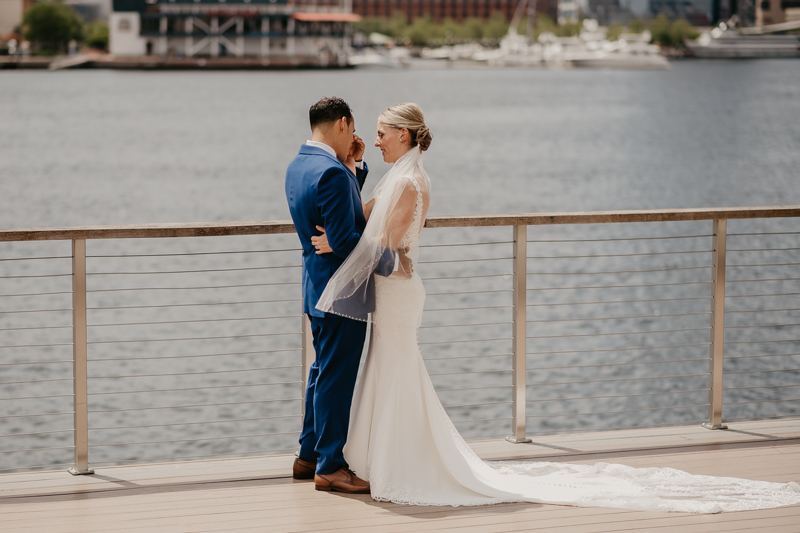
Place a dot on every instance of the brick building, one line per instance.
(439, 10)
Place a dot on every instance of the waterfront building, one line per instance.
(707, 12)
(698, 12)
(11, 12)
(286, 29)
(568, 11)
(604, 11)
(777, 11)
(458, 10)
(91, 10)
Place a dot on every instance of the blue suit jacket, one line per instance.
(322, 191)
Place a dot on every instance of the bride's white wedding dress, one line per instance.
(403, 442)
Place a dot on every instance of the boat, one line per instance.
(630, 51)
(727, 41)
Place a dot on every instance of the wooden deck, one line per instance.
(258, 494)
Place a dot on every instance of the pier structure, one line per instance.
(305, 33)
(170, 361)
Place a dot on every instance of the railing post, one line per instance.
(717, 326)
(519, 336)
(308, 355)
(79, 362)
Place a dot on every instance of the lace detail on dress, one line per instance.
(411, 237)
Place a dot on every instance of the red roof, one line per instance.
(326, 17)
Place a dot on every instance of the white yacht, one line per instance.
(765, 41)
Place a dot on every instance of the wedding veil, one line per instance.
(350, 291)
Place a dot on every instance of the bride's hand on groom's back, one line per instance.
(406, 267)
(321, 242)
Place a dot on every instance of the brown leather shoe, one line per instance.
(302, 469)
(343, 480)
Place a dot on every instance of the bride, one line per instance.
(400, 437)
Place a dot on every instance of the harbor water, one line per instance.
(110, 148)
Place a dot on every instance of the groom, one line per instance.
(323, 188)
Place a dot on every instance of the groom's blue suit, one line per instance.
(322, 191)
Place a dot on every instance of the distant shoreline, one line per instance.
(93, 61)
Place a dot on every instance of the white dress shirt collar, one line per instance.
(324, 146)
(317, 144)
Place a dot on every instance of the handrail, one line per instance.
(218, 229)
(518, 222)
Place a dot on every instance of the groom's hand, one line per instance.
(357, 148)
(355, 154)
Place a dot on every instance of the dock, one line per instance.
(165, 366)
(258, 494)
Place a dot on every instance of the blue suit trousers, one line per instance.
(338, 343)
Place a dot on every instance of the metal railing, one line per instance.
(570, 322)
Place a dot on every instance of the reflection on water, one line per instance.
(111, 148)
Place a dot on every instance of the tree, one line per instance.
(613, 32)
(496, 27)
(636, 26)
(422, 31)
(473, 28)
(674, 34)
(659, 29)
(52, 26)
(97, 35)
(681, 31)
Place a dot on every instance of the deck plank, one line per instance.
(257, 494)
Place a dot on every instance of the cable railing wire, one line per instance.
(243, 319)
(604, 350)
(198, 338)
(204, 422)
(617, 333)
(205, 387)
(624, 239)
(210, 287)
(204, 271)
(232, 252)
(193, 406)
(616, 255)
(667, 408)
(591, 319)
(611, 396)
(164, 306)
(192, 356)
(620, 286)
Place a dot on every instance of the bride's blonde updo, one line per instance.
(408, 116)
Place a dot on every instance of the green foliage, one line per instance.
(681, 31)
(613, 32)
(496, 27)
(52, 26)
(97, 35)
(636, 26)
(659, 29)
(393, 27)
(473, 28)
(570, 29)
(425, 32)
(672, 34)
(545, 24)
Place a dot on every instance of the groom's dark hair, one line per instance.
(329, 109)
